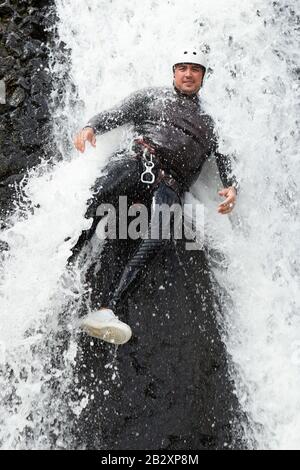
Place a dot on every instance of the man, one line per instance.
(174, 138)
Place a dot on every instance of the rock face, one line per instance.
(168, 387)
(25, 88)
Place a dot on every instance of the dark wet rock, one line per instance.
(33, 28)
(24, 82)
(14, 43)
(6, 64)
(25, 128)
(168, 388)
(3, 51)
(17, 97)
(6, 10)
(34, 48)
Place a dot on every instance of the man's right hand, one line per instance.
(86, 134)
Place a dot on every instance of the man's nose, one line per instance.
(188, 73)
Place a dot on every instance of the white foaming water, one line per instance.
(117, 47)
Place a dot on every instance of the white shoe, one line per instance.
(105, 325)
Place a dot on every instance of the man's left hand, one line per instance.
(228, 205)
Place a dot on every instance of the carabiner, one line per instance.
(149, 165)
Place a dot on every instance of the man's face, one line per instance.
(188, 78)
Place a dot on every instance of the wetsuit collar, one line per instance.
(193, 97)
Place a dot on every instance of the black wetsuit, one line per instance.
(183, 137)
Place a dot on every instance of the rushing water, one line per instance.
(253, 94)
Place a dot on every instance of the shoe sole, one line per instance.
(109, 332)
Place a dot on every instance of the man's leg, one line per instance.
(149, 247)
(120, 178)
(103, 323)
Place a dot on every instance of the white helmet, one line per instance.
(190, 55)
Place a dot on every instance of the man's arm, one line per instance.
(224, 164)
(129, 110)
(229, 181)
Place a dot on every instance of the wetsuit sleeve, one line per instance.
(224, 164)
(127, 111)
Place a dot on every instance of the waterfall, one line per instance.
(113, 48)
